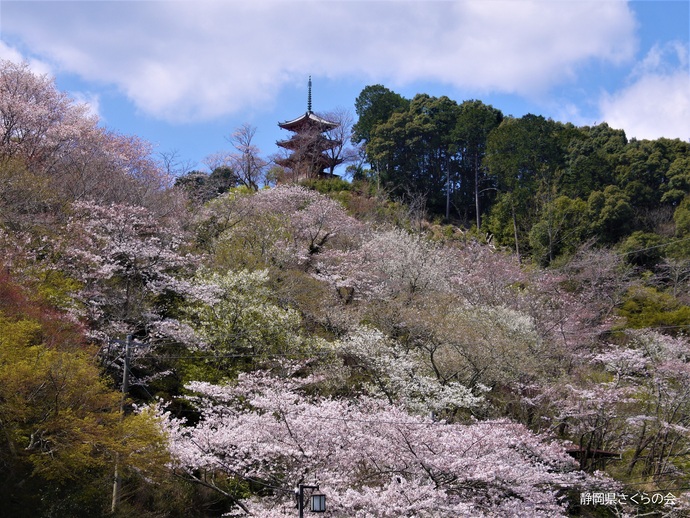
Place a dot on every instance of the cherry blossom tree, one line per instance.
(341, 136)
(630, 400)
(600, 278)
(113, 168)
(249, 167)
(37, 121)
(403, 376)
(127, 262)
(244, 165)
(485, 345)
(655, 368)
(287, 226)
(50, 138)
(369, 457)
(590, 415)
(483, 274)
(389, 263)
(315, 219)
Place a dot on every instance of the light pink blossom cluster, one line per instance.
(371, 458)
(124, 259)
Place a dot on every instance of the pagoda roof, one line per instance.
(308, 118)
(319, 142)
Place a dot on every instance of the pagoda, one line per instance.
(309, 145)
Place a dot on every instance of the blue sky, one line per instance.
(183, 74)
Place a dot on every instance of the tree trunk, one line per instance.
(515, 231)
(476, 191)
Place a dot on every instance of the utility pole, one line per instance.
(117, 483)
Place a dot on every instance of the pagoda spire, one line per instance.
(309, 97)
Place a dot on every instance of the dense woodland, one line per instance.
(489, 319)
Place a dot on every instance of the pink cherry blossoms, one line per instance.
(370, 457)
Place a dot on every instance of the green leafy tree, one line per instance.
(507, 222)
(415, 150)
(610, 213)
(591, 161)
(678, 185)
(238, 323)
(679, 248)
(525, 156)
(61, 424)
(681, 217)
(375, 105)
(644, 249)
(647, 307)
(474, 123)
(561, 229)
(651, 174)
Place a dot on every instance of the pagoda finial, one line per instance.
(309, 97)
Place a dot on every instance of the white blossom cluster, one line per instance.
(401, 376)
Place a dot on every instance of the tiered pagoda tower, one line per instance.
(309, 145)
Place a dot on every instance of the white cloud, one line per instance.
(657, 102)
(188, 60)
(12, 54)
(663, 59)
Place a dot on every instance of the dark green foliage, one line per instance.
(469, 163)
(526, 156)
(644, 166)
(610, 214)
(374, 106)
(678, 185)
(414, 150)
(681, 217)
(591, 159)
(473, 185)
(561, 229)
(644, 249)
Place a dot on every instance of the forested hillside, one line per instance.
(538, 186)
(489, 321)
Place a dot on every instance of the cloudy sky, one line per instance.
(184, 73)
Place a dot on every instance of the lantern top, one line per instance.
(317, 502)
